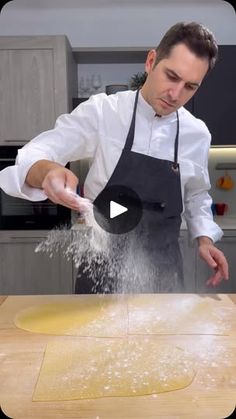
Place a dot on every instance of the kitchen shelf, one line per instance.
(226, 166)
(120, 55)
(77, 100)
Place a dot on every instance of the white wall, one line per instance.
(115, 22)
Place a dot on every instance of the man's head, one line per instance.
(176, 68)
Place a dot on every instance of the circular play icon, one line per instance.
(118, 209)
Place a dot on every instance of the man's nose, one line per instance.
(176, 91)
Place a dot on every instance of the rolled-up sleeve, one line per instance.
(197, 203)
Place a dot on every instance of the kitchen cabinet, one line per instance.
(108, 55)
(197, 272)
(214, 101)
(203, 272)
(38, 79)
(23, 271)
(188, 251)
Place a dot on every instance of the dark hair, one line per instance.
(195, 36)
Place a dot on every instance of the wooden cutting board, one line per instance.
(211, 395)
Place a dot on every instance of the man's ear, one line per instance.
(150, 61)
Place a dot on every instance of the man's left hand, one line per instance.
(215, 258)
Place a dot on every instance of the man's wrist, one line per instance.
(204, 240)
(38, 172)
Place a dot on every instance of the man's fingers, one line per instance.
(216, 278)
(60, 187)
(222, 264)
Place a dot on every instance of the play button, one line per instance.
(118, 209)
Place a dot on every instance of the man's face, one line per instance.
(174, 80)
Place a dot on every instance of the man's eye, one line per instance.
(190, 87)
(171, 77)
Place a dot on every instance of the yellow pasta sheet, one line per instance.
(97, 316)
(82, 368)
(184, 314)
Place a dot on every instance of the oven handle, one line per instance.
(31, 238)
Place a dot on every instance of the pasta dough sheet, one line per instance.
(75, 368)
(186, 314)
(100, 317)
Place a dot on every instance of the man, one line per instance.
(148, 142)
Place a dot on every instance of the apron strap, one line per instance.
(130, 136)
(175, 165)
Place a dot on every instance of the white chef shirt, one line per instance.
(97, 130)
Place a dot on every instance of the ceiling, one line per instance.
(55, 4)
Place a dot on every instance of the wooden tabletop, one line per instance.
(2, 298)
(232, 297)
(212, 394)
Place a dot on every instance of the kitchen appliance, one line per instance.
(21, 214)
(114, 88)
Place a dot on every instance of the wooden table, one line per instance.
(212, 394)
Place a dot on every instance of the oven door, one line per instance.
(21, 214)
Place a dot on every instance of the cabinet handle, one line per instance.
(17, 142)
(26, 238)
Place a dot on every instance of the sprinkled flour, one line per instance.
(114, 262)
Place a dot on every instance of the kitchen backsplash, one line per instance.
(219, 156)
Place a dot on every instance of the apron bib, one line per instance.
(148, 258)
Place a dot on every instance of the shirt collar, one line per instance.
(149, 112)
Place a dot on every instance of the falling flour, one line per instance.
(114, 262)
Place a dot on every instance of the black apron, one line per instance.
(148, 258)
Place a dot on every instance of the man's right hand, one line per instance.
(58, 183)
(60, 187)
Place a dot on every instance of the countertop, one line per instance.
(225, 222)
(212, 394)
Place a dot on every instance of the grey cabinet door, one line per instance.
(27, 94)
(23, 271)
(38, 78)
(189, 256)
(228, 246)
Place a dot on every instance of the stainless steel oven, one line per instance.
(21, 214)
